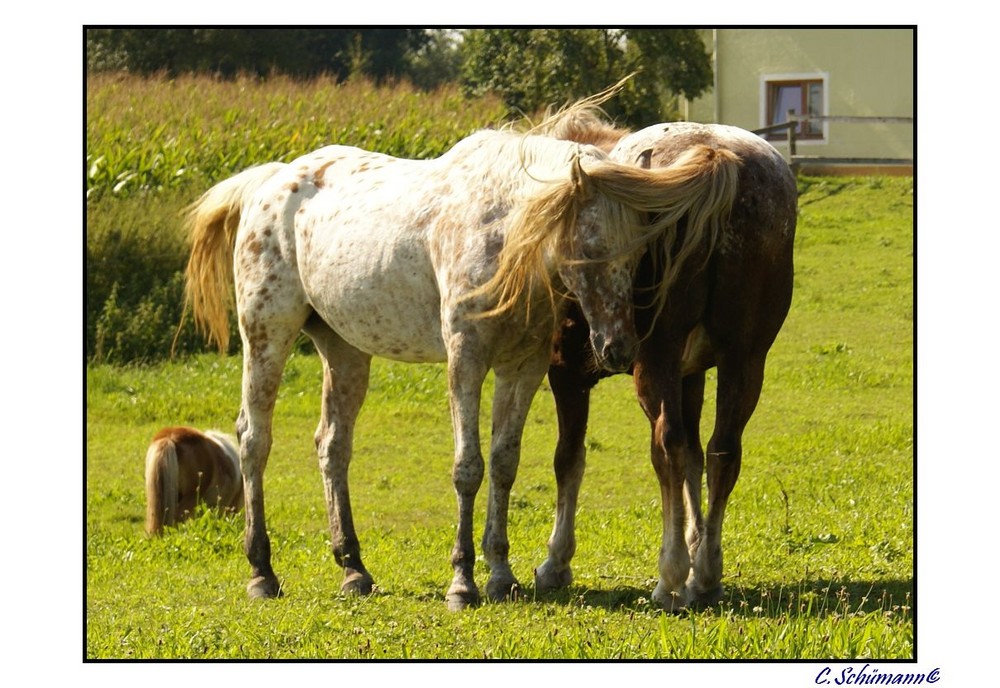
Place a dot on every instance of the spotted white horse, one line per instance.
(466, 259)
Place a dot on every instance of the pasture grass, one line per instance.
(819, 535)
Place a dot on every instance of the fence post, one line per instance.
(791, 133)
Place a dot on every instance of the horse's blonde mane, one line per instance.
(536, 228)
(583, 121)
(541, 229)
(700, 184)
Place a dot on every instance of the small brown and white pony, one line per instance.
(722, 309)
(466, 259)
(185, 467)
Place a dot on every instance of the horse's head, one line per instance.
(599, 272)
(590, 225)
(569, 238)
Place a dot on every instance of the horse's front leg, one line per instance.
(466, 373)
(511, 403)
(572, 397)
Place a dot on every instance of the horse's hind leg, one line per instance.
(263, 361)
(694, 398)
(511, 402)
(673, 448)
(741, 378)
(572, 398)
(345, 383)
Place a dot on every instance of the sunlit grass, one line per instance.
(819, 534)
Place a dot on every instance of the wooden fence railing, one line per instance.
(794, 120)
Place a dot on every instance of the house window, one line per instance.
(800, 96)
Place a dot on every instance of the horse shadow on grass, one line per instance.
(810, 598)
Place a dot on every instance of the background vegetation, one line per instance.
(530, 69)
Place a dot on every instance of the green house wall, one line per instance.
(867, 72)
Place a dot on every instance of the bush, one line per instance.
(135, 257)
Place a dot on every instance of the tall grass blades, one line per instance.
(191, 131)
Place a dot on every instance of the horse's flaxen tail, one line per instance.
(161, 485)
(213, 220)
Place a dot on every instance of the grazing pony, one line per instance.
(185, 467)
(724, 308)
(465, 259)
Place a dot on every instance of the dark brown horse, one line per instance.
(724, 309)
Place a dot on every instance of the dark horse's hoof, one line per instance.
(262, 587)
(703, 599)
(357, 583)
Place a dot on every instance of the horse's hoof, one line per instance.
(357, 583)
(461, 596)
(262, 588)
(503, 590)
(548, 579)
(703, 599)
(670, 601)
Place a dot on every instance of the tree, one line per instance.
(438, 61)
(379, 53)
(535, 68)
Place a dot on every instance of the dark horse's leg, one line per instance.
(571, 376)
(752, 299)
(572, 407)
(345, 383)
(673, 407)
(741, 377)
(693, 391)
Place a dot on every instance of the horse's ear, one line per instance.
(645, 159)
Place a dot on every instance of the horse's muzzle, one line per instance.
(615, 355)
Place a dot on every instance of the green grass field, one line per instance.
(819, 533)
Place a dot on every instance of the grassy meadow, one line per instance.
(819, 536)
